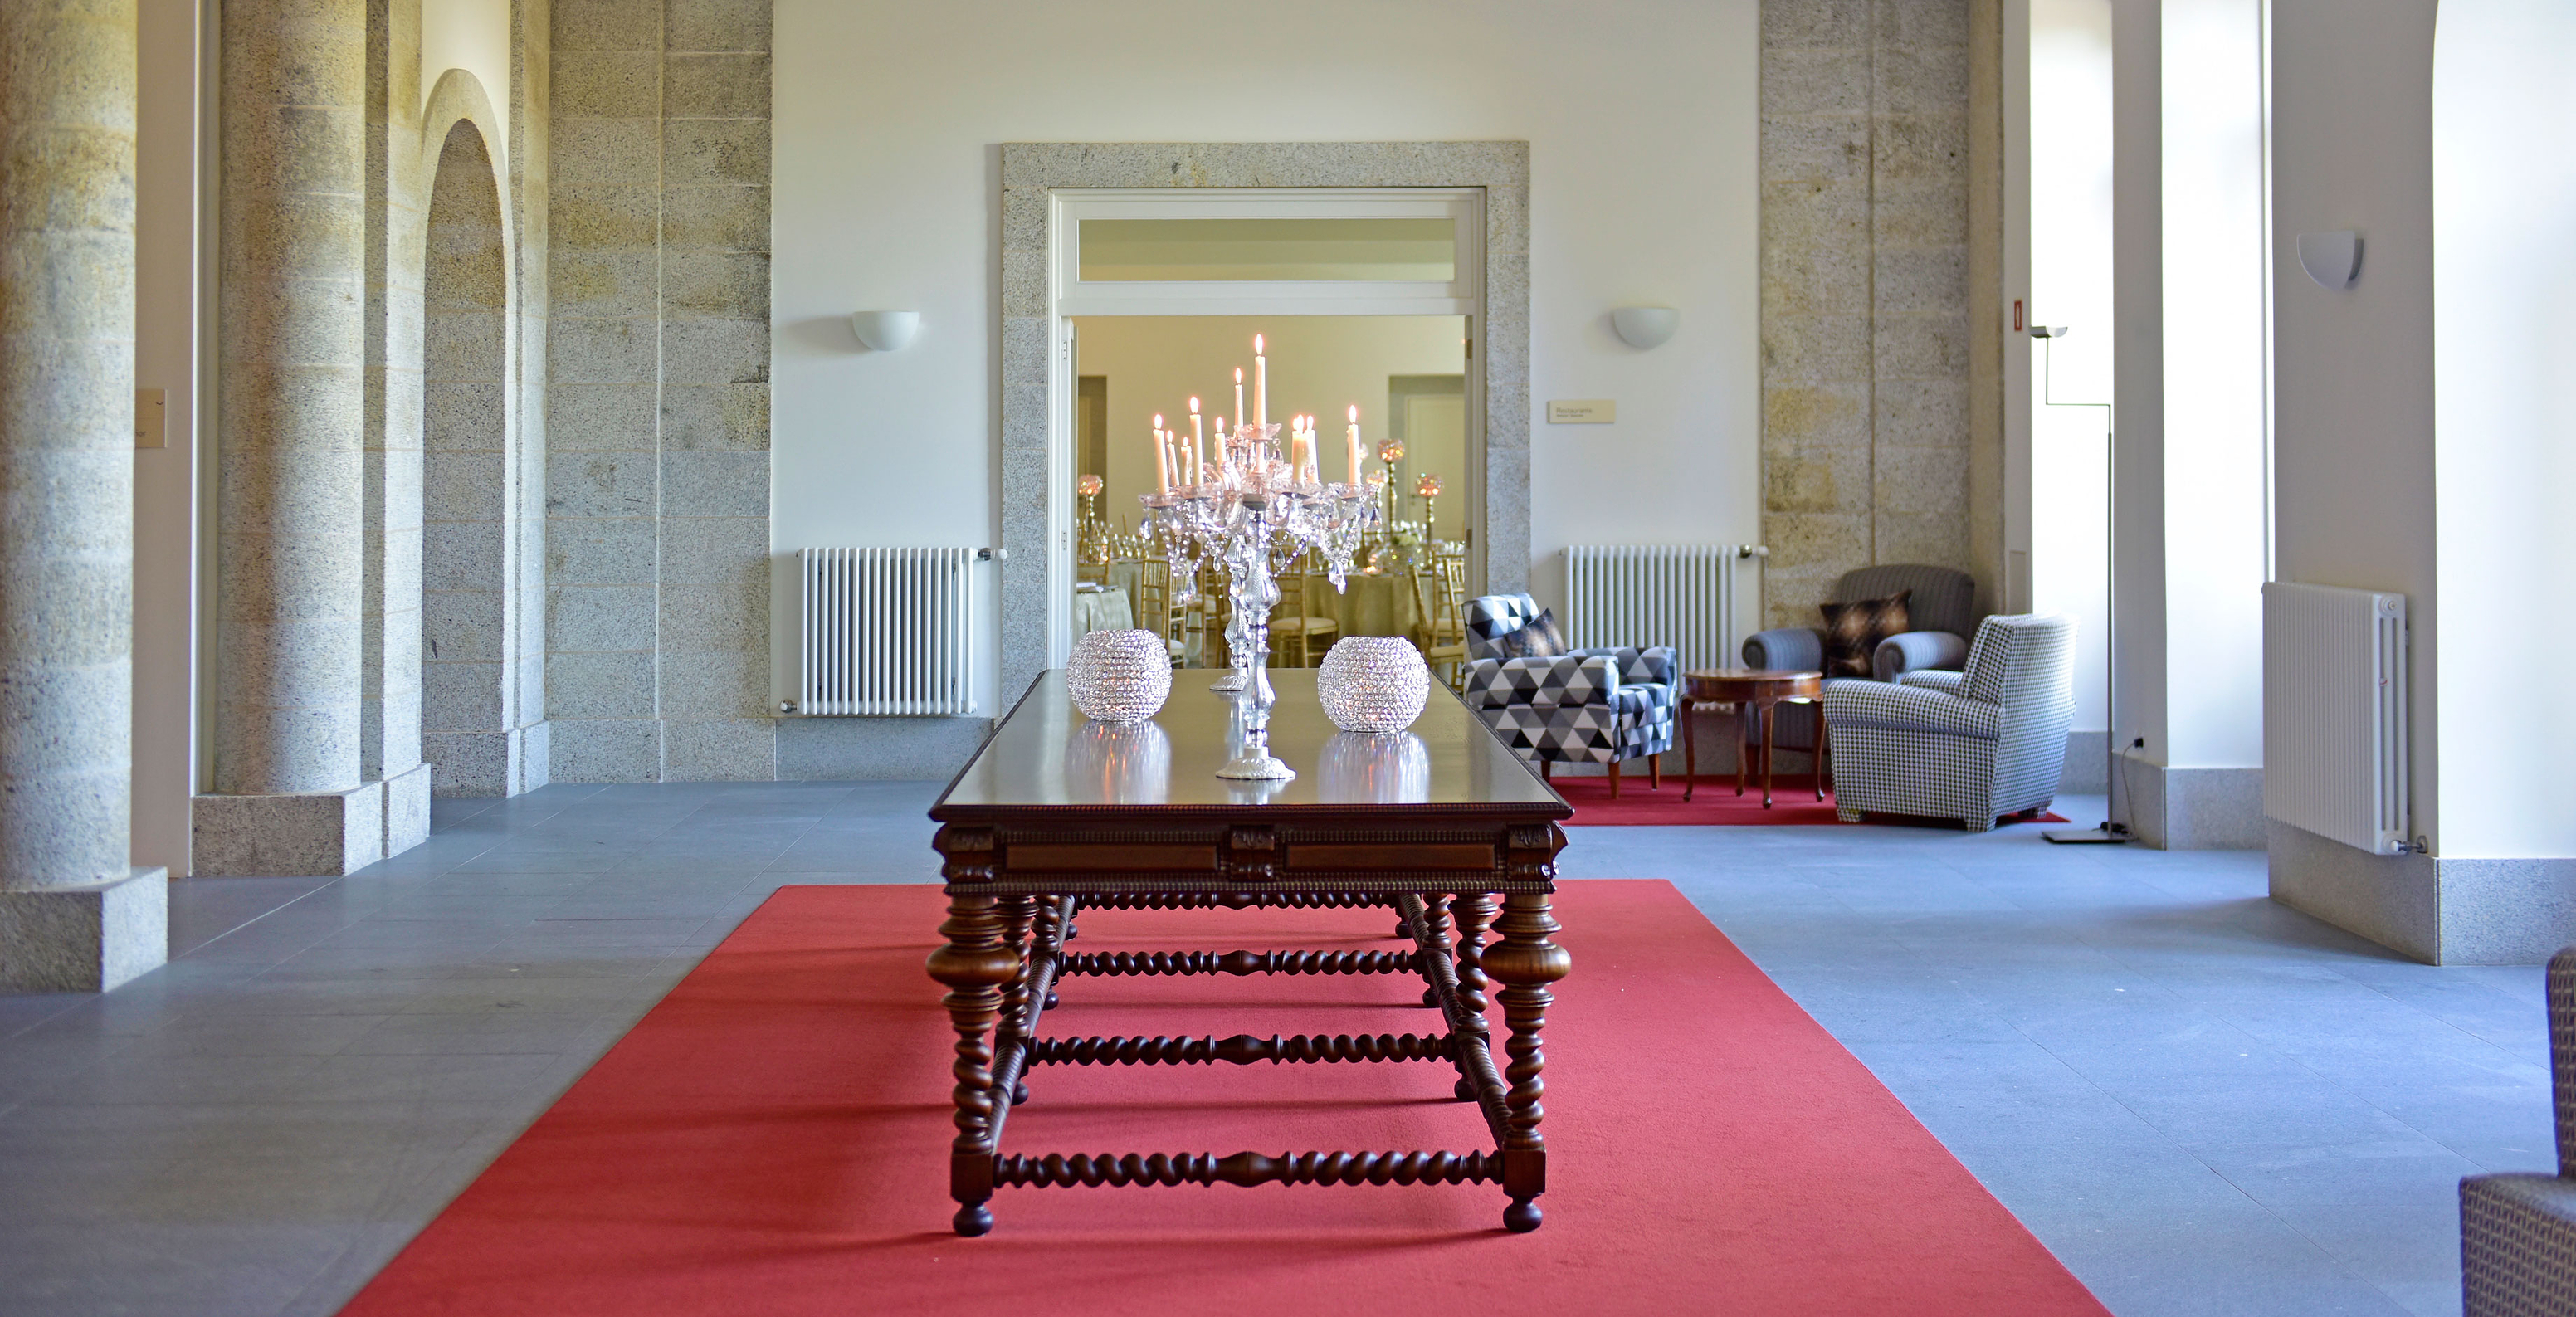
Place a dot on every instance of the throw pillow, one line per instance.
(1538, 638)
(1853, 630)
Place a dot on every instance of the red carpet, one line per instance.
(1793, 802)
(772, 1139)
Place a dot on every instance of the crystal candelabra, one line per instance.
(1254, 513)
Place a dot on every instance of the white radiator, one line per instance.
(2334, 713)
(887, 631)
(1682, 595)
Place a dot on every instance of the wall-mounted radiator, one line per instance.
(1682, 595)
(2334, 713)
(888, 631)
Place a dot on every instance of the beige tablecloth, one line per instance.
(1369, 606)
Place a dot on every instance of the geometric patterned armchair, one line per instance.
(2518, 1232)
(1590, 706)
(1967, 745)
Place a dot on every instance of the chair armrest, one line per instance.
(1655, 665)
(1786, 649)
(1565, 681)
(1909, 709)
(1911, 650)
(1949, 683)
(2561, 989)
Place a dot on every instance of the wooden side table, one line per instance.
(1754, 692)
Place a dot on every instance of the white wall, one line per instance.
(1642, 131)
(473, 35)
(2353, 368)
(2504, 360)
(1319, 365)
(2216, 417)
(2070, 285)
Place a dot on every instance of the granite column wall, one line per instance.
(289, 794)
(657, 475)
(389, 725)
(73, 915)
(1873, 432)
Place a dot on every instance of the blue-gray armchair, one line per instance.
(1942, 609)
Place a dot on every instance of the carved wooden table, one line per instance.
(1755, 692)
(1057, 815)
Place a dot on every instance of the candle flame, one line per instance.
(1355, 413)
(1238, 374)
(1256, 345)
(1158, 420)
(1194, 406)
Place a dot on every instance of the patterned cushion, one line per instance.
(1539, 638)
(1853, 630)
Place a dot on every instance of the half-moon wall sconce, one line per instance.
(886, 331)
(1644, 327)
(2332, 259)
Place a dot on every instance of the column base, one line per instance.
(318, 835)
(406, 810)
(84, 939)
(486, 764)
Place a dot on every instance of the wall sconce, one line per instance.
(886, 331)
(1646, 327)
(2332, 259)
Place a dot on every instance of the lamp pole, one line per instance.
(2112, 830)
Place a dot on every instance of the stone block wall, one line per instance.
(657, 479)
(1868, 442)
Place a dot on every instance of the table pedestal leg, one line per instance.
(1690, 754)
(1525, 962)
(1769, 725)
(973, 966)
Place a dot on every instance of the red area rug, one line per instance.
(1715, 804)
(773, 1139)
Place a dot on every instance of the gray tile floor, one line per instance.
(2205, 1103)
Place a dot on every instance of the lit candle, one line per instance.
(1260, 385)
(1198, 446)
(1224, 450)
(1355, 443)
(1162, 456)
(1238, 400)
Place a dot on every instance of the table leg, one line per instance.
(1018, 914)
(1525, 962)
(1475, 912)
(1817, 764)
(1769, 724)
(1743, 741)
(974, 966)
(1690, 753)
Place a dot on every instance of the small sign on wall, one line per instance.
(1583, 411)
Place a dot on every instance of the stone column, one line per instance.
(73, 916)
(290, 797)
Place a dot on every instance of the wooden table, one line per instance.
(1057, 815)
(1755, 692)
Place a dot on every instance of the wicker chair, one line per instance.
(1970, 746)
(2518, 1232)
(1598, 706)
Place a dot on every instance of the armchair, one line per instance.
(1943, 610)
(1601, 706)
(1969, 746)
(2518, 1232)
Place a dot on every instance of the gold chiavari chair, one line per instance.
(1154, 610)
(1440, 596)
(1289, 624)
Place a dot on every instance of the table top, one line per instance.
(1729, 683)
(1046, 754)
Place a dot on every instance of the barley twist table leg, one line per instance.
(1017, 914)
(1525, 962)
(974, 966)
(1475, 919)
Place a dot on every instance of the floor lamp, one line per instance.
(2112, 832)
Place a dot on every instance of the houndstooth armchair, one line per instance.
(1970, 745)
(2518, 1232)
(1598, 706)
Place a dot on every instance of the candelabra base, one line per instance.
(1255, 765)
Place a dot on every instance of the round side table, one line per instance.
(1755, 692)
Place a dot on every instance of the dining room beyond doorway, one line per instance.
(1406, 376)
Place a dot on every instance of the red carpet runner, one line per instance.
(772, 1139)
(1793, 802)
